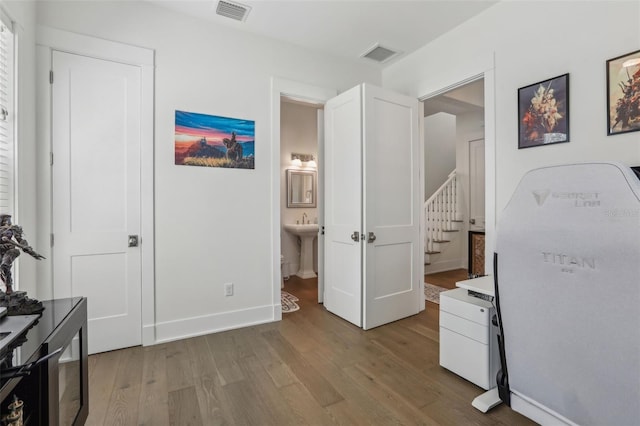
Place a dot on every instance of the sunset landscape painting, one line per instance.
(214, 141)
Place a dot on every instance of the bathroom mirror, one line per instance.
(301, 188)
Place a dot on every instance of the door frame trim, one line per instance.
(305, 92)
(50, 39)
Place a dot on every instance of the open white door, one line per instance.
(372, 259)
(343, 206)
(320, 197)
(392, 263)
(96, 179)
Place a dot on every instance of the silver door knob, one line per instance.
(133, 241)
(355, 236)
(372, 237)
(472, 221)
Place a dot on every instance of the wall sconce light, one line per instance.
(308, 160)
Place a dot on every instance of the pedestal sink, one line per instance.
(306, 233)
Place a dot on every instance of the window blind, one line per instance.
(7, 116)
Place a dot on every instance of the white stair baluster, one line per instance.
(440, 213)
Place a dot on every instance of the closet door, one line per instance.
(343, 206)
(392, 280)
(96, 190)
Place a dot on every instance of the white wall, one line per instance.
(212, 225)
(525, 42)
(439, 149)
(299, 134)
(24, 16)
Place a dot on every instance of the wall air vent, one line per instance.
(379, 53)
(233, 10)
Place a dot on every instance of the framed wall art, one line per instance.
(623, 94)
(214, 141)
(543, 112)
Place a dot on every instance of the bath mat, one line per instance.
(432, 292)
(288, 302)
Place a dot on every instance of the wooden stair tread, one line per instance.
(441, 241)
(450, 230)
(431, 252)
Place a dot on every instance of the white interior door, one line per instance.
(320, 198)
(96, 128)
(343, 206)
(392, 264)
(373, 265)
(476, 185)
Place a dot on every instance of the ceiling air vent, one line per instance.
(233, 10)
(379, 53)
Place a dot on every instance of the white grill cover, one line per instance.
(568, 247)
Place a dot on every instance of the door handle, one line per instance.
(355, 236)
(372, 237)
(133, 241)
(472, 221)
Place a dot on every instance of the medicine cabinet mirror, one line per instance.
(301, 188)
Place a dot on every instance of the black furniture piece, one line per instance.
(46, 367)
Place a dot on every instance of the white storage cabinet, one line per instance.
(468, 342)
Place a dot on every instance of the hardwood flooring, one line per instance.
(447, 279)
(311, 368)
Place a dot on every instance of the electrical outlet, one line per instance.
(228, 289)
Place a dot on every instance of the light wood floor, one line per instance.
(310, 368)
(447, 279)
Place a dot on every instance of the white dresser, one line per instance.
(468, 342)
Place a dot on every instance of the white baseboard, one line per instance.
(148, 335)
(277, 312)
(537, 412)
(207, 324)
(445, 265)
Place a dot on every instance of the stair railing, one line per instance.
(440, 212)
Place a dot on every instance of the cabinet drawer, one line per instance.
(465, 357)
(456, 302)
(470, 329)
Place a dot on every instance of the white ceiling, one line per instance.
(344, 28)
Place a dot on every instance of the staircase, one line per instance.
(441, 218)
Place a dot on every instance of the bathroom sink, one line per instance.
(306, 233)
(305, 230)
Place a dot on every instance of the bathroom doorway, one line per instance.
(301, 126)
(307, 94)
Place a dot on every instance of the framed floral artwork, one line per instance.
(543, 112)
(623, 94)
